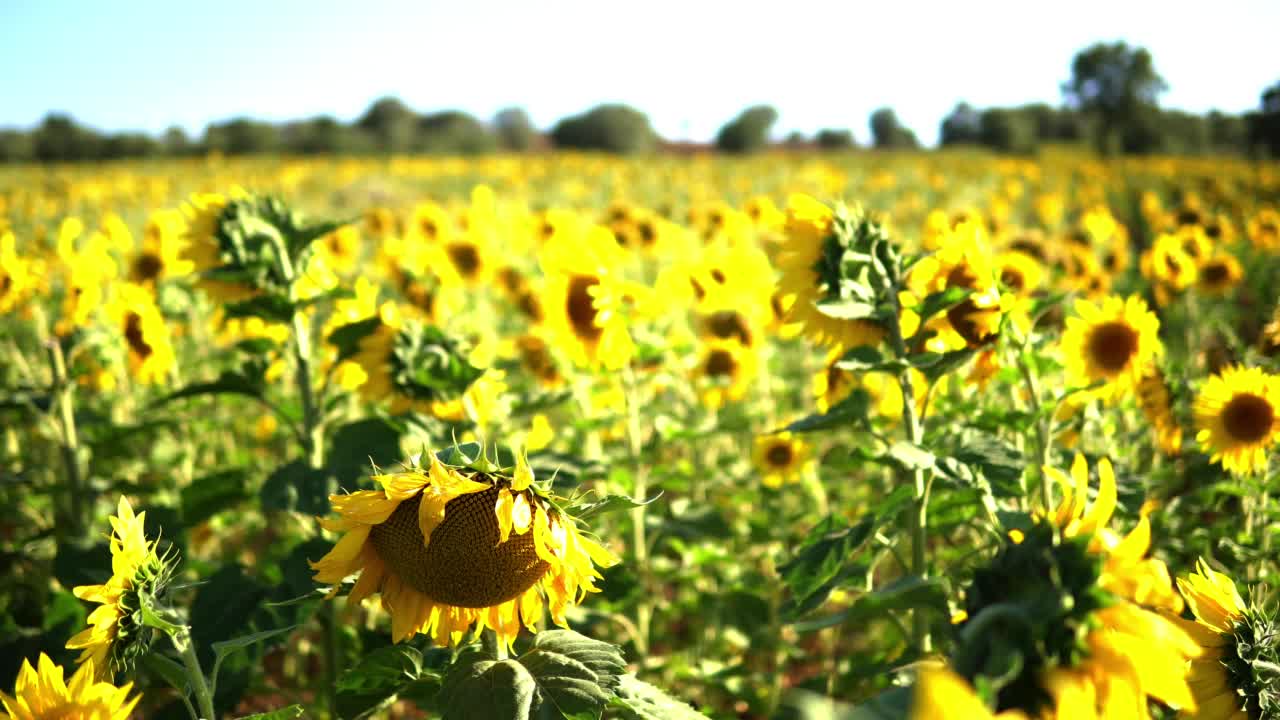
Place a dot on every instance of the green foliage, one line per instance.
(889, 134)
(829, 139)
(1117, 85)
(748, 132)
(608, 128)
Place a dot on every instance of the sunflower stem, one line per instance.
(70, 446)
(1042, 427)
(921, 482)
(640, 489)
(195, 675)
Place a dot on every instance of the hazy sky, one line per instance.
(691, 65)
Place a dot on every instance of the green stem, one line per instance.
(640, 490)
(70, 446)
(921, 482)
(195, 675)
(1042, 427)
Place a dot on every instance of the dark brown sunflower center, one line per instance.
(962, 276)
(720, 362)
(976, 325)
(718, 275)
(1013, 279)
(429, 228)
(466, 258)
(147, 267)
(422, 297)
(1215, 273)
(528, 303)
(729, 324)
(133, 335)
(648, 233)
(1248, 418)
(464, 565)
(779, 455)
(1112, 344)
(581, 308)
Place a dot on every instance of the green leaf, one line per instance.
(296, 486)
(268, 306)
(226, 647)
(347, 338)
(941, 302)
(209, 495)
(228, 383)
(833, 544)
(480, 689)
(849, 412)
(935, 365)
(608, 504)
(910, 456)
(905, 593)
(284, 713)
(356, 445)
(638, 700)
(386, 668)
(257, 346)
(847, 309)
(867, 358)
(1000, 463)
(168, 670)
(892, 704)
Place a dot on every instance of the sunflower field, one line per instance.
(874, 435)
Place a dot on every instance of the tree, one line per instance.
(242, 136)
(1118, 87)
(60, 139)
(829, 139)
(1264, 125)
(611, 128)
(887, 132)
(453, 132)
(748, 132)
(392, 126)
(1007, 131)
(963, 126)
(515, 130)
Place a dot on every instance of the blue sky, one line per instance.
(691, 65)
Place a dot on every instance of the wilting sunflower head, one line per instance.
(451, 546)
(1113, 344)
(781, 458)
(1237, 416)
(815, 276)
(42, 692)
(407, 363)
(145, 335)
(1238, 674)
(1069, 614)
(116, 636)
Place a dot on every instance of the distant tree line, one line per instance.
(1109, 102)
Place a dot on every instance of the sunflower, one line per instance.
(1073, 618)
(203, 211)
(808, 239)
(1154, 397)
(410, 364)
(781, 458)
(1269, 338)
(86, 272)
(1219, 273)
(1114, 343)
(940, 694)
(1238, 418)
(1019, 272)
(584, 298)
(160, 256)
(134, 314)
(341, 249)
(452, 547)
(41, 693)
(116, 636)
(16, 278)
(431, 223)
(725, 370)
(962, 262)
(1264, 229)
(1234, 678)
(1169, 266)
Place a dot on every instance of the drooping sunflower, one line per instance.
(452, 547)
(1237, 415)
(1155, 399)
(160, 256)
(585, 298)
(116, 636)
(1071, 620)
(1219, 273)
(1114, 343)
(202, 212)
(724, 372)
(16, 279)
(1235, 677)
(781, 458)
(42, 692)
(409, 364)
(808, 238)
(134, 314)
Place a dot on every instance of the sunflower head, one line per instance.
(43, 692)
(116, 636)
(780, 458)
(461, 543)
(1112, 344)
(1237, 415)
(1238, 671)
